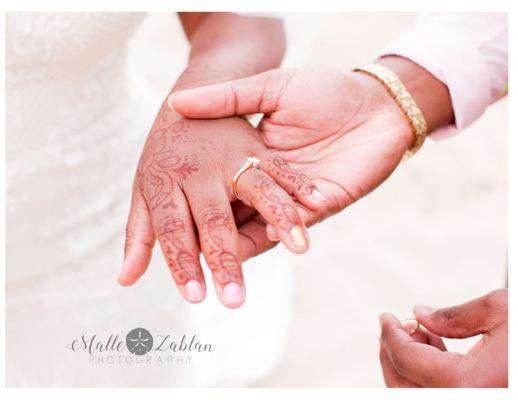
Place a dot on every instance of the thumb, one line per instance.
(465, 320)
(256, 94)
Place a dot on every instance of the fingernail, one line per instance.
(297, 235)
(194, 291)
(233, 295)
(271, 232)
(424, 310)
(317, 196)
(170, 101)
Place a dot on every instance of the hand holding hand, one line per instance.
(182, 197)
(343, 130)
(421, 360)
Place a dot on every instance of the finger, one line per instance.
(256, 94)
(390, 375)
(272, 233)
(294, 182)
(253, 238)
(256, 240)
(465, 320)
(140, 240)
(309, 218)
(219, 241)
(423, 364)
(242, 213)
(424, 336)
(175, 231)
(435, 341)
(276, 206)
(411, 326)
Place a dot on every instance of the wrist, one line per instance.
(194, 77)
(430, 94)
(380, 103)
(199, 73)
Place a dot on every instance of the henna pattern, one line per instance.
(180, 260)
(158, 171)
(161, 166)
(170, 157)
(283, 169)
(286, 216)
(223, 263)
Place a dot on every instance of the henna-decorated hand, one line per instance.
(182, 196)
(342, 130)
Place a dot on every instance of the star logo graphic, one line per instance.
(139, 341)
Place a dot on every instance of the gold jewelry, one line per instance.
(404, 101)
(416, 328)
(251, 162)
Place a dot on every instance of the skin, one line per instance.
(422, 360)
(187, 192)
(343, 130)
(182, 194)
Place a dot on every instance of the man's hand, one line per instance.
(343, 130)
(421, 360)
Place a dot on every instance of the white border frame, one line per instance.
(278, 6)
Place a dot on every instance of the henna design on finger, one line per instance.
(180, 260)
(284, 169)
(286, 215)
(217, 224)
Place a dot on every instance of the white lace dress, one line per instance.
(77, 117)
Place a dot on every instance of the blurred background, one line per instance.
(433, 234)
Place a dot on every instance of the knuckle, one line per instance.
(132, 241)
(453, 320)
(496, 299)
(217, 227)
(446, 315)
(172, 228)
(213, 216)
(496, 305)
(231, 105)
(130, 235)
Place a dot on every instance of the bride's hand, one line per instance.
(343, 130)
(182, 195)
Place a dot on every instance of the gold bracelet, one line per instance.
(403, 99)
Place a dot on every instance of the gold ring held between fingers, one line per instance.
(251, 162)
(415, 329)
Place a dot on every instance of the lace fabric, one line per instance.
(76, 120)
